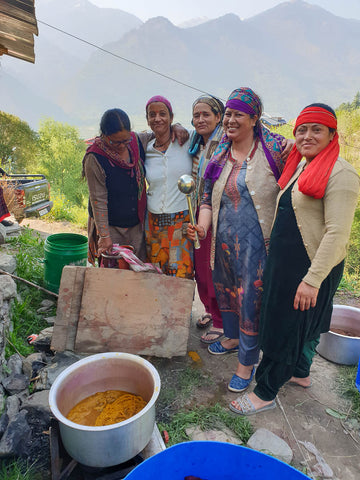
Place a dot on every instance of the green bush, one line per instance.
(64, 210)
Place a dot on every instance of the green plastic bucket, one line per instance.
(63, 249)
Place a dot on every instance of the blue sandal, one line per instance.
(238, 384)
(217, 349)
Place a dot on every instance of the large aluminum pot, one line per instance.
(111, 444)
(341, 348)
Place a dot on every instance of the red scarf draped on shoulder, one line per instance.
(313, 180)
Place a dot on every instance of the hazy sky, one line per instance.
(182, 10)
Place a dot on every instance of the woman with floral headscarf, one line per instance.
(314, 209)
(239, 202)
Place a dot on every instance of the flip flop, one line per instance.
(206, 324)
(217, 349)
(247, 407)
(213, 340)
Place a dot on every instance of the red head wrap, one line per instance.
(314, 178)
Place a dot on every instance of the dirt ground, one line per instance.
(300, 414)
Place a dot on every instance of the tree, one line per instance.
(61, 156)
(18, 145)
(356, 102)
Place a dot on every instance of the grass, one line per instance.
(347, 388)
(18, 470)
(206, 417)
(29, 247)
(29, 257)
(25, 321)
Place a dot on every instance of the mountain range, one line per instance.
(292, 55)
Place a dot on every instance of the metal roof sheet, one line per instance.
(18, 26)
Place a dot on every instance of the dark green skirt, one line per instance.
(284, 330)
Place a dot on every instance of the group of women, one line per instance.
(256, 205)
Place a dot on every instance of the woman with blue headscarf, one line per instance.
(239, 203)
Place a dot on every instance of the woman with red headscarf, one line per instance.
(314, 214)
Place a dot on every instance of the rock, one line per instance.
(14, 364)
(4, 422)
(7, 262)
(12, 406)
(50, 320)
(37, 401)
(33, 363)
(16, 437)
(47, 303)
(48, 374)
(2, 397)
(224, 435)
(267, 442)
(43, 341)
(15, 383)
(2, 234)
(7, 286)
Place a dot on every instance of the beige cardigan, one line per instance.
(262, 187)
(325, 223)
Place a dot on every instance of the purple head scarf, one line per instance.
(246, 100)
(160, 98)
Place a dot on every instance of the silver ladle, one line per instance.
(186, 185)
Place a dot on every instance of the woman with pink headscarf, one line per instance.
(166, 161)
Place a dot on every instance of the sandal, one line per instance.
(217, 335)
(238, 384)
(247, 407)
(217, 349)
(204, 321)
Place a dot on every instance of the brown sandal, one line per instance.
(216, 333)
(207, 317)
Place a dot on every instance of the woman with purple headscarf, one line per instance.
(239, 203)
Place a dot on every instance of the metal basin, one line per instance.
(111, 444)
(341, 348)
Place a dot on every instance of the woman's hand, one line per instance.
(287, 144)
(305, 296)
(179, 133)
(104, 245)
(191, 229)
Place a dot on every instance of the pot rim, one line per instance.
(92, 358)
(338, 306)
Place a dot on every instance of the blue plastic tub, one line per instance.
(357, 381)
(213, 461)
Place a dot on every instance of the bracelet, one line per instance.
(205, 232)
(104, 236)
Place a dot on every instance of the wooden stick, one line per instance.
(29, 283)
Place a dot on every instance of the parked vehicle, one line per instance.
(26, 195)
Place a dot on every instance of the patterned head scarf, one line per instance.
(214, 103)
(217, 107)
(246, 100)
(313, 180)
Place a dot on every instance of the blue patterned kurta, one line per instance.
(240, 258)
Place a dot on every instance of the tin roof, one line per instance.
(18, 26)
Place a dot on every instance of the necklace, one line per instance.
(162, 144)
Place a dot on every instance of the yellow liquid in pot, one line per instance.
(106, 408)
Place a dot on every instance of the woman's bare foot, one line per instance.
(244, 371)
(303, 382)
(255, 400)
(230, 343)
(212, 335)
